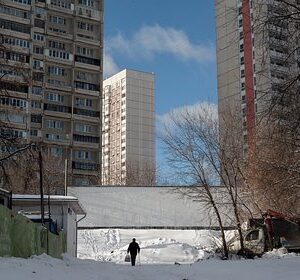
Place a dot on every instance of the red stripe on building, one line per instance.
(248, 61)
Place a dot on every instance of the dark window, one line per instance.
(85, 138)
(89, 113)
(87, 60)
(39, 23)
(87, 86)
(57, 108)
(5, 24)
(36, 118)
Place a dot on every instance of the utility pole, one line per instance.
(41, 187)
(66, 177)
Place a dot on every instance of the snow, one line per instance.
(102, 254)
(157, 246)
(47, 268)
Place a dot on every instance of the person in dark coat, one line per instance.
(133, 249)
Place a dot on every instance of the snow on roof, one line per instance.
(71, 200)
(38, 197)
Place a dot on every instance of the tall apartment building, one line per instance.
(128, 131)
(253, 57)
(51, 73)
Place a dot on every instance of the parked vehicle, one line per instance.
(274, 231)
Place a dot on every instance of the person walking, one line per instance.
(133, 249)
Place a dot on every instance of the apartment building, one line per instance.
(128, 131)
(254, 58)
(51, 78)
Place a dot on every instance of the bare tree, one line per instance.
(140, 173)
(202, 160)
(13, 77)
(23, 177)
(274, 161)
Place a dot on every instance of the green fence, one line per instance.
(20, 237)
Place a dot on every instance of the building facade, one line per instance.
(128, 131)
(254, 58)
(51, 78)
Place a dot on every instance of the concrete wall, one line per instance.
(142, 207)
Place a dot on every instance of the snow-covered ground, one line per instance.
(104, 252)
(273, 267)
(157, 246)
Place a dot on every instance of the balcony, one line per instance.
(87, 62)
(86, 138)
(88, 12)
(61, 6)
(85, 166)
(88, 113)
(57, 108)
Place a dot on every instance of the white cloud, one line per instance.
(110, 67)
(205, 108)
(152, 40)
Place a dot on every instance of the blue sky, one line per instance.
(174, 39)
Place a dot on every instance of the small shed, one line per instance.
(5, 197)
(65, 211)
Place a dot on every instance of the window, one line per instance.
(57, 30)
(15, 42)
(242, 60)
(39, 12)
(88, 3)
(55, 124)
(37, 91)
(87, 86)
(240, 22)
(84, 51)
(51, 96)
(59, 54)
(253, 235)
(57, 20)
(38, 50)
(39, 23)
(13, 12)
(85, 26)
(56, 45)
(82, 155)
(80, 127)
(241, 47)
(5, 24)
(53, 136)
(38, 37)
(61, 3)
(15, 102)
(38, 64)
(58, 71)
(39, 77)
(34, 132)
(242, 73)
(36, 118)
(14, 56)
(36, 104)
(83, 102)
(86, 76)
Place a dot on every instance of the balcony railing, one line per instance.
(86, 138)
(57, 108)
(85, 166)
(88, 113)
(87, 60)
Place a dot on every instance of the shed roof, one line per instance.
(72, 201)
